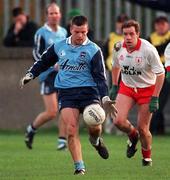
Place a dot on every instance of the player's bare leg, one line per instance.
(144, 119)
(124, 104)
(62, 138)
(71, 119)
(51, 108)
(97, 141)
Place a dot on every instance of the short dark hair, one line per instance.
(131, 23)
(79, 20)
(17, 11)
(122, 18)
(161, 19)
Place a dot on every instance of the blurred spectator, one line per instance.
(76, 12)
(113, 38)
(160, 38)
(21, 32)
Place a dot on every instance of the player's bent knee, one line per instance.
(143, 131)
(71, 130)
(118, 122)
(52, 114)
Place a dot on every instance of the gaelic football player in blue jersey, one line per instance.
(45, 36)
(81, 81)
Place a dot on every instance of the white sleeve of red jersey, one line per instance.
(154, 60)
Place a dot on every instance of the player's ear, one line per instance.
(87, 29)
(71, 29)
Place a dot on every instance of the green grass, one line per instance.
(46, 163)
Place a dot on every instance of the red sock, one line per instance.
(146, 153)
(132, 134)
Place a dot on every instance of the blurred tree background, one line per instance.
(102, 14)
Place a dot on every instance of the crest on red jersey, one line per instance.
(138, 60)
(121, 58)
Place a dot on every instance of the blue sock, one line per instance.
(79, 165)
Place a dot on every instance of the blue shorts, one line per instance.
(78, 98)
(47, 86)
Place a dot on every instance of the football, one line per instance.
(94, 115)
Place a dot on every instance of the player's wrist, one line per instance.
(114, 86)
(154, 98)
(113, 91)
(107, 99)
(29, 75)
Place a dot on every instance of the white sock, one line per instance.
(30, 129)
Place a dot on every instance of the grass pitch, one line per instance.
(44, 162)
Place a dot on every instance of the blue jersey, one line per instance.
(79, 66)
(44, 38)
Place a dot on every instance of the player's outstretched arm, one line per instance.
(28, 77)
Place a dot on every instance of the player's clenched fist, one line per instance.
(26, 79)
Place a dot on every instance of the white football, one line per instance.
(94, 115)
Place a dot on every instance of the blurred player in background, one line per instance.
(142, 77)
(113, 38)
(160, 38)
(81, 81)
(45, 36)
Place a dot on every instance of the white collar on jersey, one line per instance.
(48, 27)
(68, 41)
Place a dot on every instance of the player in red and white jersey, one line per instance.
(167, 62)
(142, 76)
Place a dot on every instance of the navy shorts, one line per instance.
(47, 86)
(78, 98)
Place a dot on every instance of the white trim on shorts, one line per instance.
(42, 88)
